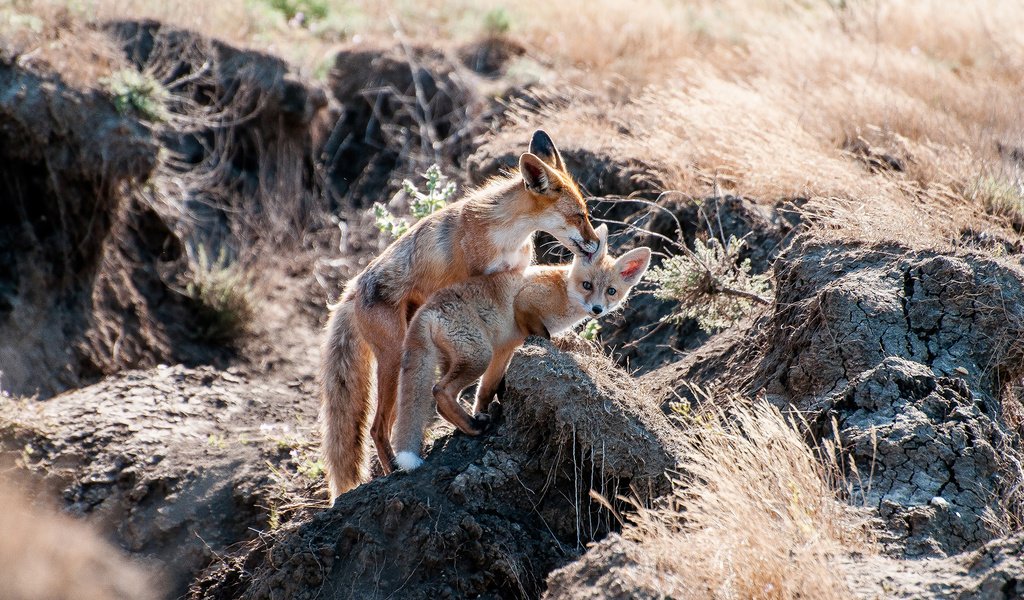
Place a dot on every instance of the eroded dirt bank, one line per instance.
(200, 459)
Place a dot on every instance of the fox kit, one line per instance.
(491, 231)
(471, 329)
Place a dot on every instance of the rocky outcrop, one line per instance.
(66, 158)
(169, 462)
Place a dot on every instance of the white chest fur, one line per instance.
(512, 260)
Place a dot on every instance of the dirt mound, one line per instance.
(614, 568)
(910, 353)
(990, 572)
(936, 460)
(490, 56)
(170, 462)
(104, 213)
(487, 516)
(610, 570)
(67, 159)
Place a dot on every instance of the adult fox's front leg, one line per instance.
(384, 328)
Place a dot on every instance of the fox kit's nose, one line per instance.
(597, 309)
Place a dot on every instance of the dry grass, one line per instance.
(896, 120)
(47, 36)
(756, 516)
(821, 104)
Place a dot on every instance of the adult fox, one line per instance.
(491, 231)
(472, 328)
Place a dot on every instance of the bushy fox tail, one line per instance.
(347, 385)
(415, 393)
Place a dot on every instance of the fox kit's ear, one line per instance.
(632, 265)
(543, 147)
(536, 174)
(602, 247)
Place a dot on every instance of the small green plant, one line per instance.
(311, 10)
(137, 93)
(710, 283)
(311, 469)
(497, 22)
(438, 192)
(223, 296)
(216, 441)
(591, 330)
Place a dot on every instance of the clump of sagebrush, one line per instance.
(497, 22)
(223, 296)
(138, 93)
(710, 283)
(438, 191)
(591, 331)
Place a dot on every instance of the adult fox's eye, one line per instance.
(588, 286)
(612, 291)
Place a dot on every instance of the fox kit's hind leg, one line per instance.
(464, 368)
(492, 379)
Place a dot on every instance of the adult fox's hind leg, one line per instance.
(384, 328)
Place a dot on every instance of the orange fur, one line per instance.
(471, 330)
(491, 231)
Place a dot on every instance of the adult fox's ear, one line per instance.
(542, 146)
(632, 265)
(536, 175)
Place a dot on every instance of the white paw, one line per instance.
(407, 461)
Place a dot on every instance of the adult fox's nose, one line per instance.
(597, 309)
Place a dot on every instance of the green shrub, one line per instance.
(438, 192)
(710, 283)
(312, 10)
(137, 93)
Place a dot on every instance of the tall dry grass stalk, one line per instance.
(756, 515)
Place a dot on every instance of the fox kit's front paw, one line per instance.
(479, 423)
(407, 461)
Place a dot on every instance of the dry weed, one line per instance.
(756, 515)
(44, 554)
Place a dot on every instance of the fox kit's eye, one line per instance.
(612, 291)
(588, 286)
